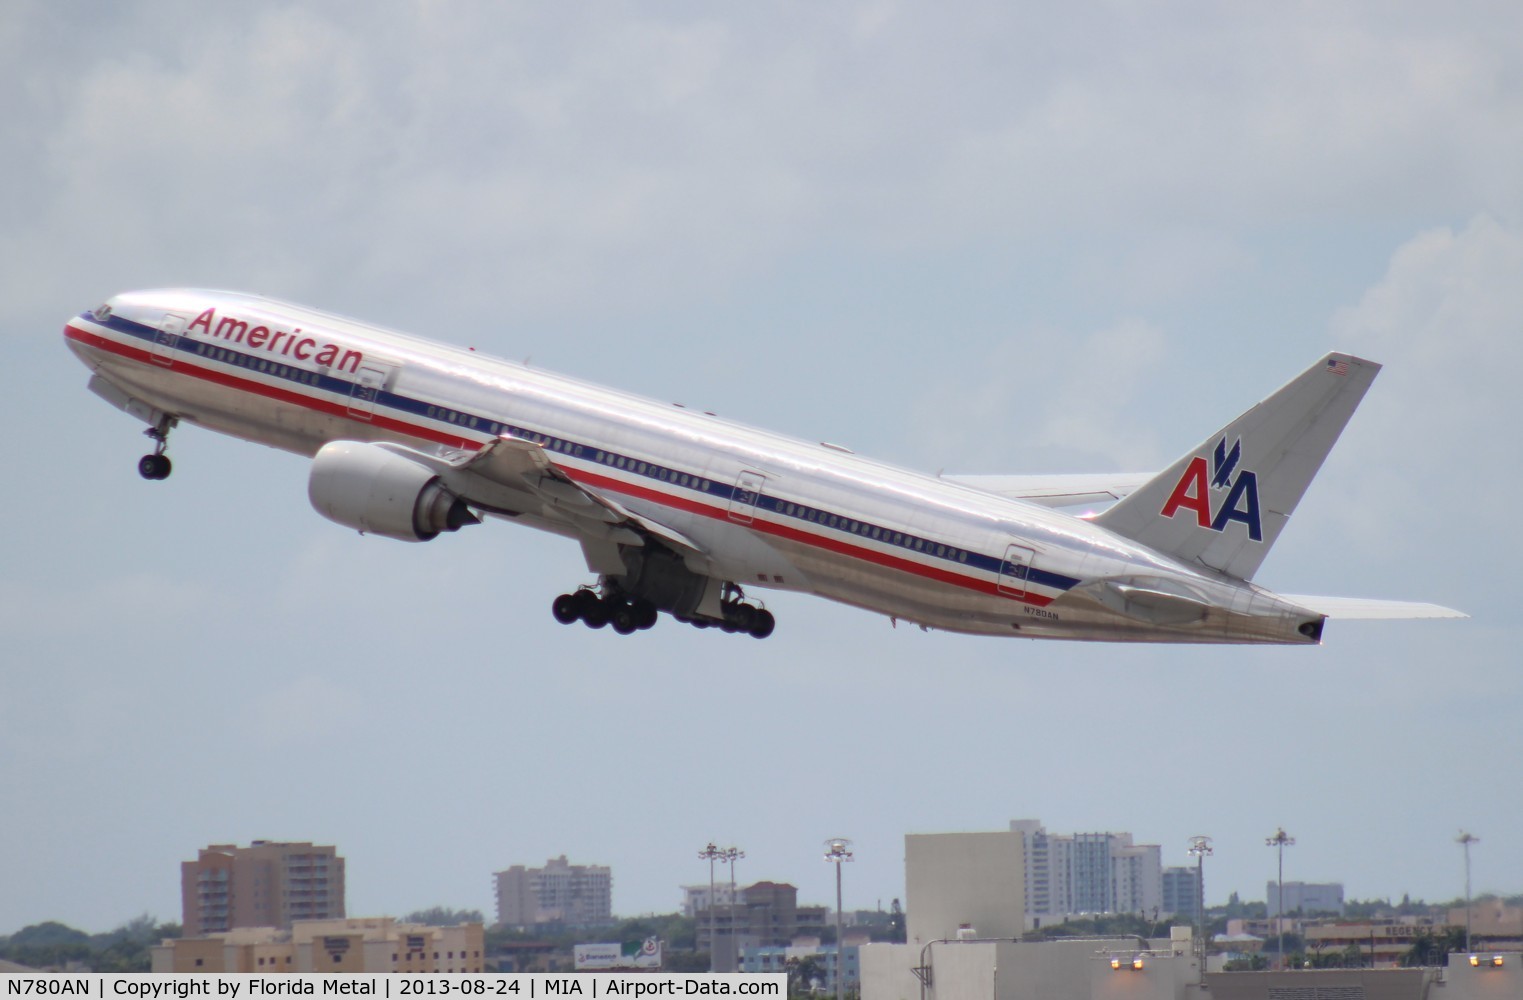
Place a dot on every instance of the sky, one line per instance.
(972, 237)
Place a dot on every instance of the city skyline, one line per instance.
(881, 903)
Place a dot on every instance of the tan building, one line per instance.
(1387, 941)
(266, 884)
(356, 944)
(764, 915)
(1492, 923)
(558, 893)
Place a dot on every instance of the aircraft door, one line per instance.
(369, 382)
(1015, 571)
(748, 489)
(165, 338)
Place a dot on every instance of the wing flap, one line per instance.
(518, 476)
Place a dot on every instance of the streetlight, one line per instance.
(733, 854)
(838, 852)
(1200, 849)
(711, 853)
(1281, 840)
(1465, 840)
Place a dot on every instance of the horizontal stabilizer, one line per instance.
(1058, 490)
(1370, 608)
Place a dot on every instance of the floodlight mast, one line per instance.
(838, 852)
(711, 853)
(1281, 840)
(731, 855)
(1465, 839)
(1200, 849)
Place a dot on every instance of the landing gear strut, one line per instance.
(157, 465)
(740, 616)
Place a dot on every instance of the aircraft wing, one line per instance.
(514, 477)
(1370, 608)
(1059, 490)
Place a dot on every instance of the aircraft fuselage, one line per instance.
(765, 510)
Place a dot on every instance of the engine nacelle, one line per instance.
(367, 488)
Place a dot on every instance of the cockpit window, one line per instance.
(102, 312)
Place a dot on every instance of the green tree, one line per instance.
(803, 974)
(1248, 963)
(53, 945)
(443, 916)
(1430, 948)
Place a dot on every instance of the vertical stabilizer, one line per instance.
(1224, 503)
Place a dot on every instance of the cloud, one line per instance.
(1047, 402)
(1442, 419)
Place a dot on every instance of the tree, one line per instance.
(53, 945)
(1248, 963)
(443, 916)
(1429, 948)
(803, 974)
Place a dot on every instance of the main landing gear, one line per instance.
(738, 617)
(626, 614)
(157, 465)
(635, 614)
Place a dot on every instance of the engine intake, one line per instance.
(376, 491)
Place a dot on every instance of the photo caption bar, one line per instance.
(515, 986)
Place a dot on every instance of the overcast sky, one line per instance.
(980, 237)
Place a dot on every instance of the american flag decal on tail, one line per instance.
(1337, 366)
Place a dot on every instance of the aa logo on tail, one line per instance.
(1195, 491)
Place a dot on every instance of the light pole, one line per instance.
(711, 853)
(1465, 840)
(1200, 849)
(733, 854)
(1281, 841)
(838, 852)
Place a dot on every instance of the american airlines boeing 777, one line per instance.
(684, 512)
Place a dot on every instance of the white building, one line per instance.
(558, 893)
(695, 898)
(1086, 873)
(973, 883)
(1306, 898)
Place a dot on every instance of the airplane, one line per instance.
(683, 512)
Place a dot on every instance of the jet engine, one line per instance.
(372, 489)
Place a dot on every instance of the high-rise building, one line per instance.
(1068, 874)
(1181, 893)
(696, 897)
(267, 884)
(558, 893)
(764, 914)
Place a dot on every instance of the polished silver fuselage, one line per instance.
(766, 511)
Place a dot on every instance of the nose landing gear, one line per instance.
(157, 464)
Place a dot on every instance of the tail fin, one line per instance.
(1224, 503)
